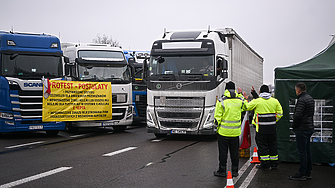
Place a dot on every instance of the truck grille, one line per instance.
(118, 113)
(141, 105)
(180, 101)
(26, 104)
(179, 112)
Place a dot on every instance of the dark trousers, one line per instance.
(304, 150)
(225, 143)
(267, 146)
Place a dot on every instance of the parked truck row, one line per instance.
(173, 87)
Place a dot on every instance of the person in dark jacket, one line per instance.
(303, 128)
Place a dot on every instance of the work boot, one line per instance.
(220, 173)
(298, 177)
(274, 165)
(234, 171)
(308, 176)
(263, 167)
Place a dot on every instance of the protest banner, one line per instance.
(76, 101)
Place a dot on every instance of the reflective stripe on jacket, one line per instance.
(267, 112)
(228, 113)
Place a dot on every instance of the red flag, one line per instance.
(46, 88)
(246, 143)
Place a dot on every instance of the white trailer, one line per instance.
(186, 74)
(103, 63)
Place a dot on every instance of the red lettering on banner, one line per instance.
(78, 108)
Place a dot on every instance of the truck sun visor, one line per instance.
(181, 45)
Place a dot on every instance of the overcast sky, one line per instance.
(283, 32)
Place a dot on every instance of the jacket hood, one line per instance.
(230, 93)
(265, 95)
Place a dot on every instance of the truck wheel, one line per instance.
(160, 135)
(52, 133)
(119, 128)
(70, 128)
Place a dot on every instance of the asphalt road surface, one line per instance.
(102, 158)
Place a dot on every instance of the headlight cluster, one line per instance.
(209, 120)
(122, 98)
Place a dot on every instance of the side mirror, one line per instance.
(131, 61)
(224, 74)
(67, 69)
(145, 70)
(219, 63)
(66, 60)
(225, 65)
(68, 66)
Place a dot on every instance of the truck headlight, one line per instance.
(5, 115)
(122, 98)
(149, 118)
(129, 112)
(209, 120)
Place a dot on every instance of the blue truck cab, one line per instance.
(24, 59)
(135, 59)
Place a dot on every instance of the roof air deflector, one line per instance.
(185, 35)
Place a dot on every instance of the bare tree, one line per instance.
(104, 39)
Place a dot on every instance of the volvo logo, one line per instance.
(179, 86)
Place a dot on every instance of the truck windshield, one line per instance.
(182, 65)
(31, 66)
(104, 72)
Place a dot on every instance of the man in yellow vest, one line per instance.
(267, 112)
(228, 118)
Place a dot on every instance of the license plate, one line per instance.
(178, 131)
(108, 123)
(33, 127)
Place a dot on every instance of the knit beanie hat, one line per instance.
(230, 85)
(264, 88)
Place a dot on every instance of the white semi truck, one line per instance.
(186, 74)
(103, 63)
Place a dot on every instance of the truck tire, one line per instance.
(52, 132)
(70, 128)
(120, 128)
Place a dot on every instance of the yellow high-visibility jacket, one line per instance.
(267, 112)
(228, 113)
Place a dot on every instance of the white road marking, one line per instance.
(79, 135)
(158, 140)
(119, 151)
(21, 145)
(35, 177)
(251, 175)
(241, 171)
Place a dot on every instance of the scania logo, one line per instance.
(33, 84)
(179, 86)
